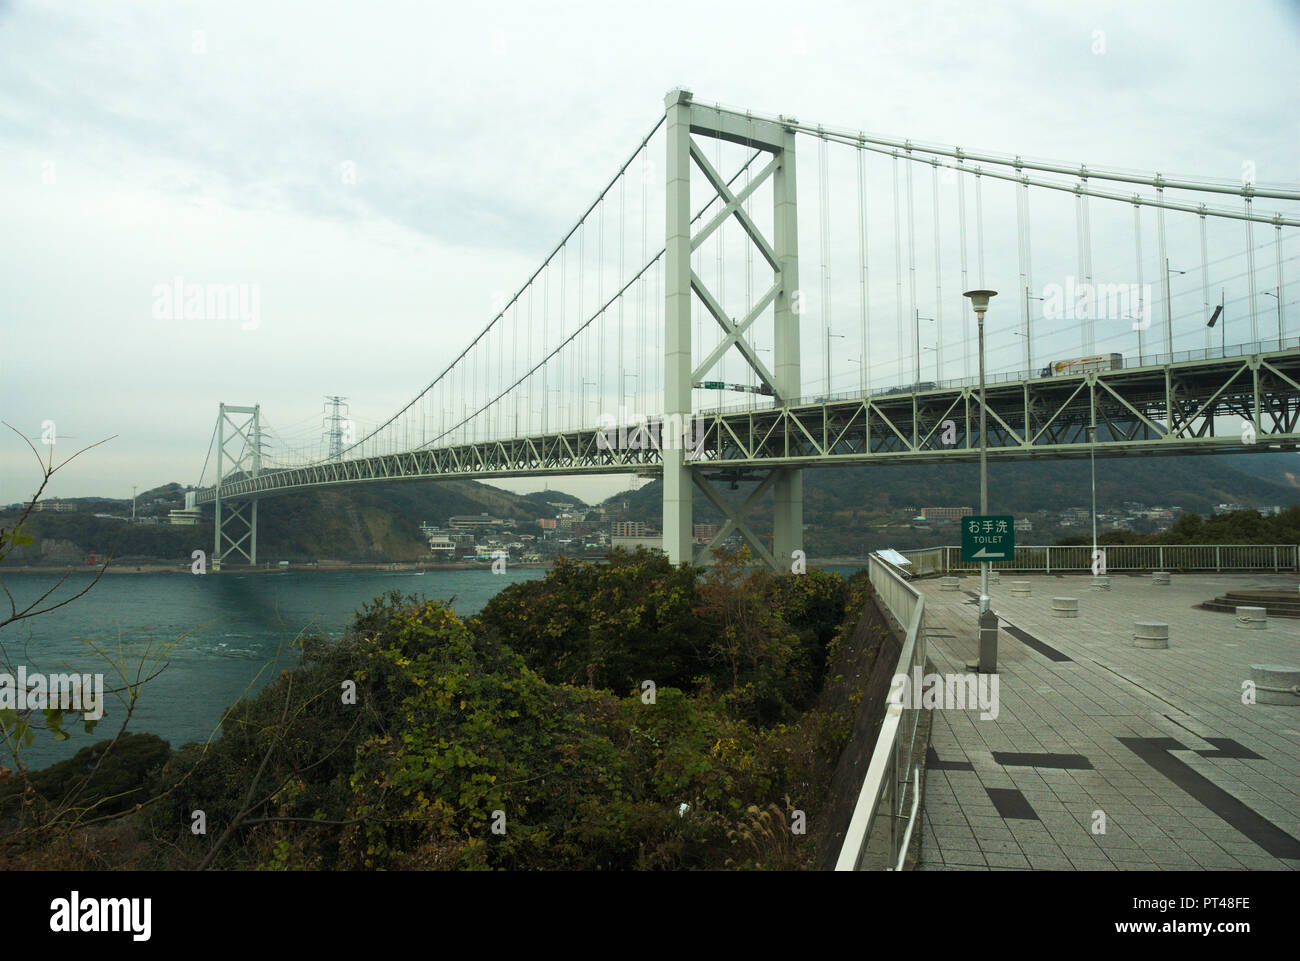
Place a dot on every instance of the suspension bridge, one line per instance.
(1168, 328)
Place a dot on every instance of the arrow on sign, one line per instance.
(983, 553)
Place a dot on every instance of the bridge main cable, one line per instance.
(545, 263)
(590, 320)
(1082, 171)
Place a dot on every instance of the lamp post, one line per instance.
(1029, 340)
(936, 361)
(1169, 307)
(1092, 458)
(829, 335)
(862, 368)
(988, 633)
(1278, 297)
(916, 343)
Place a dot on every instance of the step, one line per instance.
(1228, 604)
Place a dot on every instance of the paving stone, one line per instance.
(1155, 803)
(1042, 863)
(1007, 860)
(1003, 847)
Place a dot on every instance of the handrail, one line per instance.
(1050, 558)
(906, 605)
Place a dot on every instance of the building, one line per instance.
(629, 529)
(53, 505)
(1023, 524)
(440, 544)
(654, 542)
(704, 533)
(186, 517)
(546, 523)
(946, 513)
(472, 522)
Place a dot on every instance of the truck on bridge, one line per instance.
(1079, 365)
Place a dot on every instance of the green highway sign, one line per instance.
(714, 385)
(988, 537)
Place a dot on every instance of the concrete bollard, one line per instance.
(1151, 635)
(1101, 583)
(1020, 587)
(1252, 618)
(1065, 607)
(949, 584)
(1160, 578)
(1276, 684)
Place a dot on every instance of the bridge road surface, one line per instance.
(1188, 777)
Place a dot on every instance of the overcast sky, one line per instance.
(380, 170)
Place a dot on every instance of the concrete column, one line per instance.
(216, 519)
(787, 521)
(677, 327)
(252, 535)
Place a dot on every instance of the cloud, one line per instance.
(382, 172)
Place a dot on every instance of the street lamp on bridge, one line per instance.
(1169, 307)
(829, 335)
(1278, 295)
(916, 346)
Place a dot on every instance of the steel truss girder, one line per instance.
(1131, 408)
(1165, 409)
(573, 452)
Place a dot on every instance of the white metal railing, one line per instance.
(895, 764)
(931, 560)
(1120, 557)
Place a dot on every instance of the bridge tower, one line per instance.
(781, 251)
(242, 425)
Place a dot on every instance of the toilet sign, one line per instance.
(988, 537)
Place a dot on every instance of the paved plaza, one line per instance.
(1158, 742)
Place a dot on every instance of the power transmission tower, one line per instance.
(336, 417)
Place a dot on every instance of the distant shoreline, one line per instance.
(394, 567)
(184, 568)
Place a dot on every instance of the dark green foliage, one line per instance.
(609, 625)
(521, 738)
(127, 776)
(1236, 527)
(301, 720)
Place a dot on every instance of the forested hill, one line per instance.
(372, 522)
(1192, 484)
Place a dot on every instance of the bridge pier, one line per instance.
(787, 520)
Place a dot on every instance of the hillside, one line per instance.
(840, 502)
(370, 523)
(848, 510)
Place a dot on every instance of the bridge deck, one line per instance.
(1174, 795)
